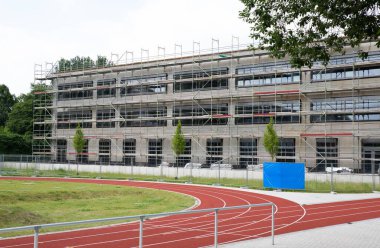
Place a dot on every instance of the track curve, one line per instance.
(197, 230)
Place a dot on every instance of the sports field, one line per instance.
(197, 229)
(36, 202)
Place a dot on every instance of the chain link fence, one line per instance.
(217, 174)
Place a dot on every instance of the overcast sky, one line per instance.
(39, 31)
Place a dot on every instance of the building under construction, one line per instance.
(224, 97)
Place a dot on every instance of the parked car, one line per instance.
(339, 170)
(193, 165)
(254, 167)
(222, 166)
(164, 164)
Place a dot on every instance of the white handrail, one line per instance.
(141, 218)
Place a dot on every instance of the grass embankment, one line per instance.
(32, 202)
(311, 185)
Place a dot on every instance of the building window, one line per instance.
(185, 158)
(83, 156)
(370, 156)
(260, 113)
(345, 105)
(212, 84)
(327, 153)
(105, 118)
(287, 150)
(104, 151)
(106, 88)
(345, 73)
(143, 90)
(206, 114)
(71, 91)
(248, 152)
(214, 148)
(144, 117)
(129, 151)
(142, 85)
(61, 150)
(263, 67)
(71, 119)
(154, 152)
(200, 73)
(262, 80)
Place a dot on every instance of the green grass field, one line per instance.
(311, 186)
(32, 202)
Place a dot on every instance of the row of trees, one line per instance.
(16, 122)
(80, 63)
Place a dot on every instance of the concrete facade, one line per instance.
(222, 84)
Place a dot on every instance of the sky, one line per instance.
(40, 31)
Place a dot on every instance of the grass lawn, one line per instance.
(31, 202)
(311, 185)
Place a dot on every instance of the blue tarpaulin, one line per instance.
(284, 175)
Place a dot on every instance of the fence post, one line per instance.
(216, 228)
(36, 230)
(219, 173)
(373, 176)
(1, 162)
(141, 231)
(272, 231)
(246, 177)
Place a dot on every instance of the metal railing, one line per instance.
(141, 218)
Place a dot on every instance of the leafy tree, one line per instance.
(271, 140)
(20, 119)
(79, 63)
(310, 30)
(178, 142)
(63, 65)
(11, 143)
(102, 61)
(79, 141)
(7, 100)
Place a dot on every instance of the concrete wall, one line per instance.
(182, 172)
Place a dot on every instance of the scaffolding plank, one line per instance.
(277, 92)
(325, 134)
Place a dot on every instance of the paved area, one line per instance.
(315, 198)
(357, 234)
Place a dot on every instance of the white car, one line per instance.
(254, 167)
(339, 170)
(164, 164)
(222, 166)
(193, 165)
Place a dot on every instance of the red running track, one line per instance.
(197, 230)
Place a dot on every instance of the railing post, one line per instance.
(216, 228)
(141, 231)
(36, 230)
(272, 228)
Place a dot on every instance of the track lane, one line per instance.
(197, 230)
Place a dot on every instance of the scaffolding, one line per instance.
(224, 97)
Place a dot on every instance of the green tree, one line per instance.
(20, 119)
(271, 140)
(11, 143)
(178, 143)
(102, 61)
(79, 143)
(310, 30)
(7, 100)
